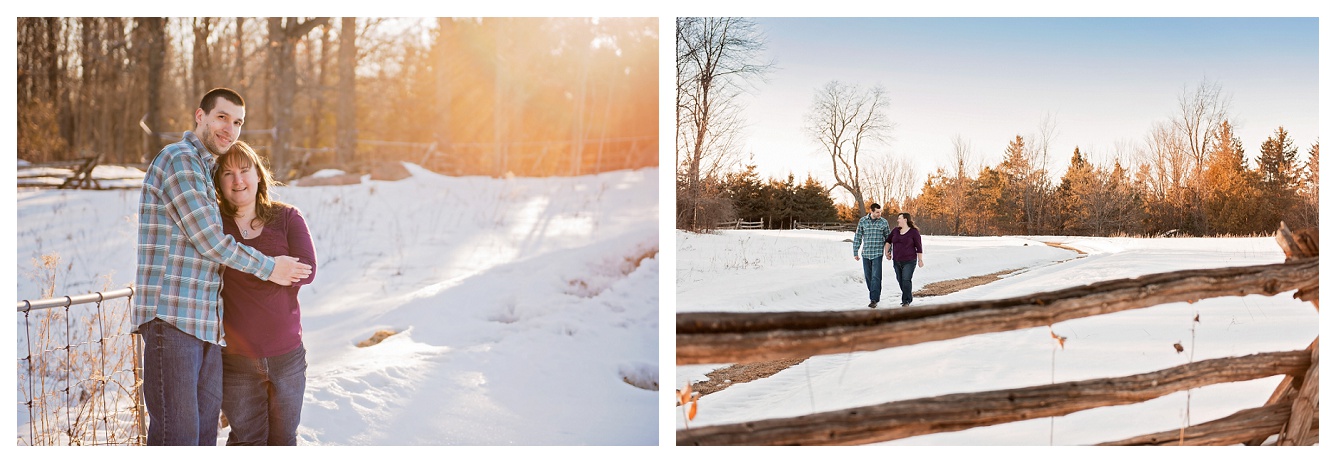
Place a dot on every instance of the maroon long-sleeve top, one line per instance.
(906, 246)
(260, 318)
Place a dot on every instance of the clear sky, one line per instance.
(1104, 81)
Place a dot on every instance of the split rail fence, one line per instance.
(1290, 413)
(79, 377)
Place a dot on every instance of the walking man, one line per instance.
(868, 241)
(181, 251)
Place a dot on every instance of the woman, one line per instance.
(264, 361)
(903, 247)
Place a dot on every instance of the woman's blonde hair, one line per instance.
(241, 155)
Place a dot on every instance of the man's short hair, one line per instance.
(873, 207)
(211, 99)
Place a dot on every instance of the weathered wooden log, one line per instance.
(1304, 407)
(729, 337)
(1299, 245)
(1284, 393)
(953, 412)
(1244, 426)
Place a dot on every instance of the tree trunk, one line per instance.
(346, 148)
(155, 31)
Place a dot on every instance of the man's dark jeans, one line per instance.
(263, 397)
(872, 275)
(183, 386)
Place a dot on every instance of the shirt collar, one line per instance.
(200, 150)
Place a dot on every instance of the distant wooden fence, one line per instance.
(740, 224)
(831, 226)
(72, 174)
(1291, 412)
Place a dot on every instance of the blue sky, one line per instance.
(1105, 81)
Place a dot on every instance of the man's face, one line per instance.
(221, 127)
(876, 213)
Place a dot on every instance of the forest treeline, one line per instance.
(1225, 191)
(530, 96)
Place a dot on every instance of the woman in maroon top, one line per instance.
(903, 247)
(264, 361)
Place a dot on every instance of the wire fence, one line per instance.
(78, 375)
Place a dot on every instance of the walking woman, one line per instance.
(264, 361)
(903, 247)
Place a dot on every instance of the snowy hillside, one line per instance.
(523, 305)
(814, 270)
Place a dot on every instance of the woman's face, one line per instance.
(240, 184)
(900, 219)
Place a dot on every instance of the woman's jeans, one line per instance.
(262, 398)
(904, 273)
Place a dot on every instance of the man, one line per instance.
(868, 241)
(181, 251)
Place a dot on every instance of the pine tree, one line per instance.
(1279, 178)
(813, 203)
(747, 193)
(1231, 195)
(1012, 208)
(1308, 189)
(988, 196)
(933, 213)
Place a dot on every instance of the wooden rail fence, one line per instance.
(1290, 413)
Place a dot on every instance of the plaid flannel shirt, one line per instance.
(871, 234)
(182, 247)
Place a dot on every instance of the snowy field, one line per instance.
(762, 271)
(524, 306)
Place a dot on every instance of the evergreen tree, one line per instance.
(747, 194)
(1011, 210)
(1078, 188)
(934, 215)
(1279, 178)
(988, 198)
(1308, 189)
(813, 203)
(782, 205)
(1231, 196)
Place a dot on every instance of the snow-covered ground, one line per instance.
(755, 271)
(524, 306)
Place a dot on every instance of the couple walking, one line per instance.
(219, 267)
(902, 246)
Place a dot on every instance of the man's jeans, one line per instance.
(183, 386)
(872, 275)
(904, 273)
(262, 398)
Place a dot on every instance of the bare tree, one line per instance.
(347, 105)
(957, 195)
(1201, 113)
(716, 61)
(890, 179)
(152, 34)
(846, 120)
(283, 36)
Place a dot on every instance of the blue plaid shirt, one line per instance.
(182, 247)
(870, 235)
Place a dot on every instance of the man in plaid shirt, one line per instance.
(870, 236)
(181, 251)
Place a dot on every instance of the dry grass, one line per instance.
(376, 338)
(76, 379)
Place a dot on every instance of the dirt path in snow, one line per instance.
(746, 372)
